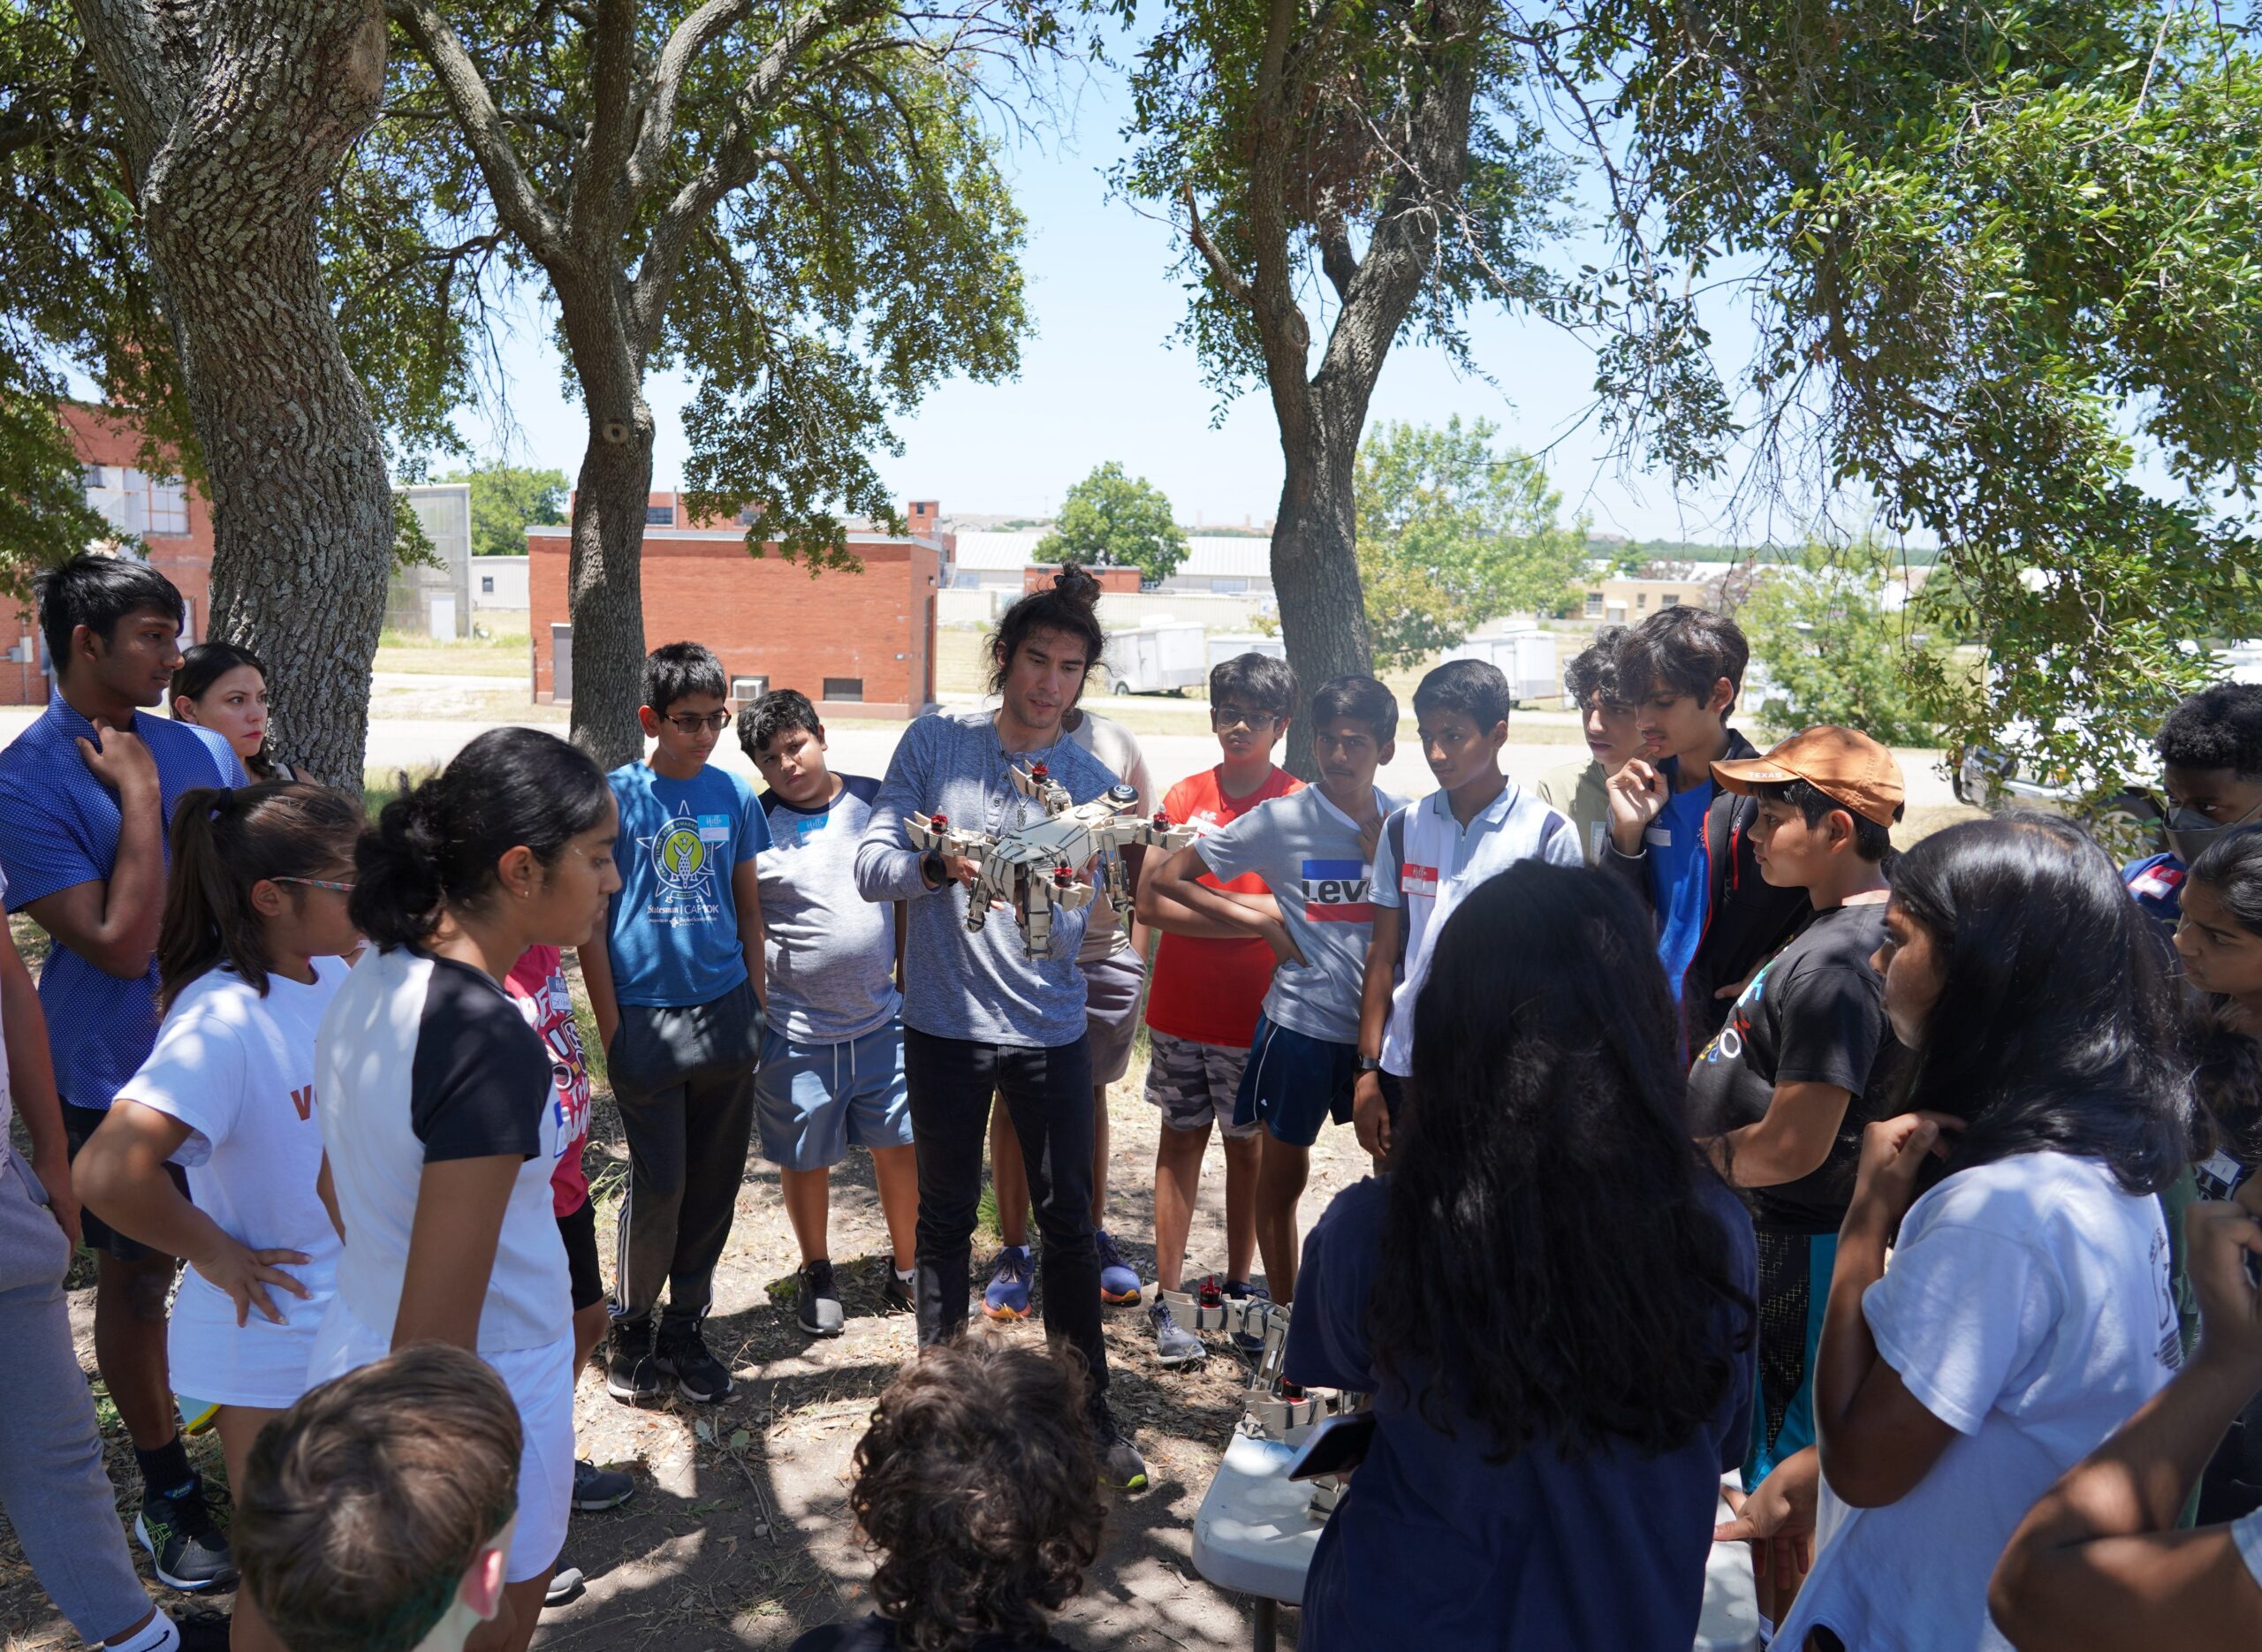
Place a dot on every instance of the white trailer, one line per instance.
(1224, 647)
(1526, 658)
(1162, 657)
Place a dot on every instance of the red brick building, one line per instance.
(172, 518)
(857, 644)
(1039, 576)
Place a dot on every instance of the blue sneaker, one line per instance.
(1007, 1297)
(1241, 1290)
(1118, 1281)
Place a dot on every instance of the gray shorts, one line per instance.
(1194, 1084)
(1111, 987)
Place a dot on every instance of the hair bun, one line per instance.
(1077, 585)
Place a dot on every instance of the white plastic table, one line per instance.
(1254, 1535)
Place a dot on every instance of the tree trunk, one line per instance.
(605, 587)
(1315, 562)
(238, 120)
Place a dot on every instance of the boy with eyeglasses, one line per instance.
(675, 982)
(1207, 989)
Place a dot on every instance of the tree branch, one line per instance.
(1336, 259)
(707, 24)
(1228, 277)
(603, 162)
(736, 158)
(517, 201)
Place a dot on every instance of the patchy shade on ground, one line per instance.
(738, 1534)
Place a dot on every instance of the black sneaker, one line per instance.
(819, 1312)
(189, 1551)
(1121, 1466)
(683, 1354)
(205, 1629)
(630, 1374)
(896, 1291)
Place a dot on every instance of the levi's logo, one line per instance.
(1337, 891)
(303, 1101)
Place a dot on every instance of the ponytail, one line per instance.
(223, 843)
(1070, 605)
(433, 848)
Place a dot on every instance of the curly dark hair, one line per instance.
(2217, 728)
(1544, 1071)
(1069, 605)
(977, 1485)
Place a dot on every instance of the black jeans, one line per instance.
(1048, 1093)
(684, 1080)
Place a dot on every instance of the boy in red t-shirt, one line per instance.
(537, 980)
(1202, 1007)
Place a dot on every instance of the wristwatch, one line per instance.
(934, 871)
(1368, 1064)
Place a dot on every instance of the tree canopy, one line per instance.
(2002, 264)
(1828, 648)
(1452, 534)
(506, 501)
(1115, 521)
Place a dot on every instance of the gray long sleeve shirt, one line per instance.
(983, 986)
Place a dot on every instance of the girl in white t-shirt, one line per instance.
(248, 957)
(2026, 1311)
(440, 1120)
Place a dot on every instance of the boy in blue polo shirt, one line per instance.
(1315, 852)
(87, 793)
(675, 984)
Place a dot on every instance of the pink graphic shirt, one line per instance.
(537, 980)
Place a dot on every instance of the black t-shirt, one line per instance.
(875, 1634)
(1814, 1015)
(480, 1076)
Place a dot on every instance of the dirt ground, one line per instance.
(738, 1534)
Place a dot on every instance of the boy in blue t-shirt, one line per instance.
(87, 795)
(675, 982)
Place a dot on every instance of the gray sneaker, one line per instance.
(1121, 1466)
(595, 1487)
(1174, 1345)
(819, 1312)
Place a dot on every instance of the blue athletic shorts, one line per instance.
(1295, 1083)
(812, 1102)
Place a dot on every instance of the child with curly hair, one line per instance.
(977, 1488)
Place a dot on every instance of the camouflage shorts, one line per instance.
(1194, 1084)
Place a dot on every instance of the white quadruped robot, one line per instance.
(1039, 868)
(1272, 1407)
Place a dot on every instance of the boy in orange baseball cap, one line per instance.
(1806, 1058)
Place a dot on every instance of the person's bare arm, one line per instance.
(596, 978)
(459, 1204)
(1370, 1113)
(121, 1174)
(112, 922)
(2098, 1564)
(1175, 901)
(746, 889)
(1789, 1141)
(31, 1082)
(1877, 1439)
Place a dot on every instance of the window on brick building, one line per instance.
(659, 516)
(168, 507)
(1641, 601)
(747, 517)
(849, 689)
(1671, 599)
(1594, 605)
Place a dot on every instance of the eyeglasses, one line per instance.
(1224, 717)
(715, 721)
(316, 883)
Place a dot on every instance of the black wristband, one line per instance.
(933, 871)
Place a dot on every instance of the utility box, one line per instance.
(1164, 656)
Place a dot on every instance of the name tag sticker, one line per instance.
(1659, 836)
(714, 829)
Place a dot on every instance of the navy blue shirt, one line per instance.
(1434, 1546)
(59, 826)
(2157, 883)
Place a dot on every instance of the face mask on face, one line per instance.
(2190, 833)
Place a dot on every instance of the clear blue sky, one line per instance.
(1103, 379)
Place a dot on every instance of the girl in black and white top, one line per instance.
(439, 1119)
